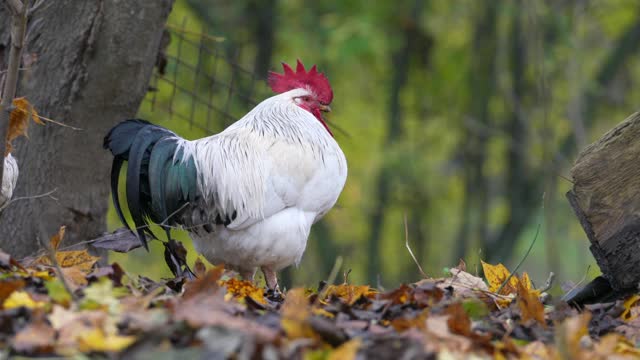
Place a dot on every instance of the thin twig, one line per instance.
(59, 123)
(586, 273)
(173, 213)
(535, 237)
(47, 194)
(406, 243)
(549, 282)
(51, 254)
(332, 277)
(521, 261)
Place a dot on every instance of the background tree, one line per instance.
(87, 64)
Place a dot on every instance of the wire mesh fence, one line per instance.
(201, 80)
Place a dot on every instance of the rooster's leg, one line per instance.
(248, 274)
(273, 291)
(270, 278)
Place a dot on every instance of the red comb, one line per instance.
(301, 78)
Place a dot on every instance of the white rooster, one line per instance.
(248, 195)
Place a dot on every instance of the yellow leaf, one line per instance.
(322, 312)
(496, 276)
(97, 340)
(628, 304)
(239, 289)
(22, 298)
(530, 305)
(346, 351)
(349, 294)
(295, 313)
(80, 259)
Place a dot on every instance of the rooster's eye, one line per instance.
(305, 99)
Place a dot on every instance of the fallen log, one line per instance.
(606, 199)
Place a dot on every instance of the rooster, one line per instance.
(248, 195)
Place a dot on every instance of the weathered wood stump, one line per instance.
(606, 199)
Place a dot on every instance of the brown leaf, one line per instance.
(199, 268)
(57, 238)
(74, 277)
(349, 294)
(458, 321)
(402, 324)
(37, 337)
(19, 121)
(205, 285)
(8, 286)
(401, 295)
(529, 304)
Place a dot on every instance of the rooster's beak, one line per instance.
(325, 108)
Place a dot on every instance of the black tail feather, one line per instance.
(154, 183)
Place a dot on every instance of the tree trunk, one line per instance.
(91, 63)
(605, 198)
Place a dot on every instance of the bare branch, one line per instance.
(15, 6)
(38, 4)
(18, 29)
(47, 194)
(406, 243)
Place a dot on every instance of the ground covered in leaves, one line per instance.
(63, 304)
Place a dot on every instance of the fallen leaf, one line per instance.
(22, 298)
(529, 304)
(322, 312)
(80, 259)
(458, 321)
(402, 324)
(462, 282)
(8, 286)
(629, 303)
(496, 275)
(97, 340)
(37, 337)
(103, 295)
(239, 289)
(207, 284)
(346, 351)
(57, 292)
(349, 294)
(74, 277)
(295, 313)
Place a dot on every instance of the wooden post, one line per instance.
(606, 200)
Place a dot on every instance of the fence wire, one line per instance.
(201, 80)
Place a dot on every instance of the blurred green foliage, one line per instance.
(464, 113)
